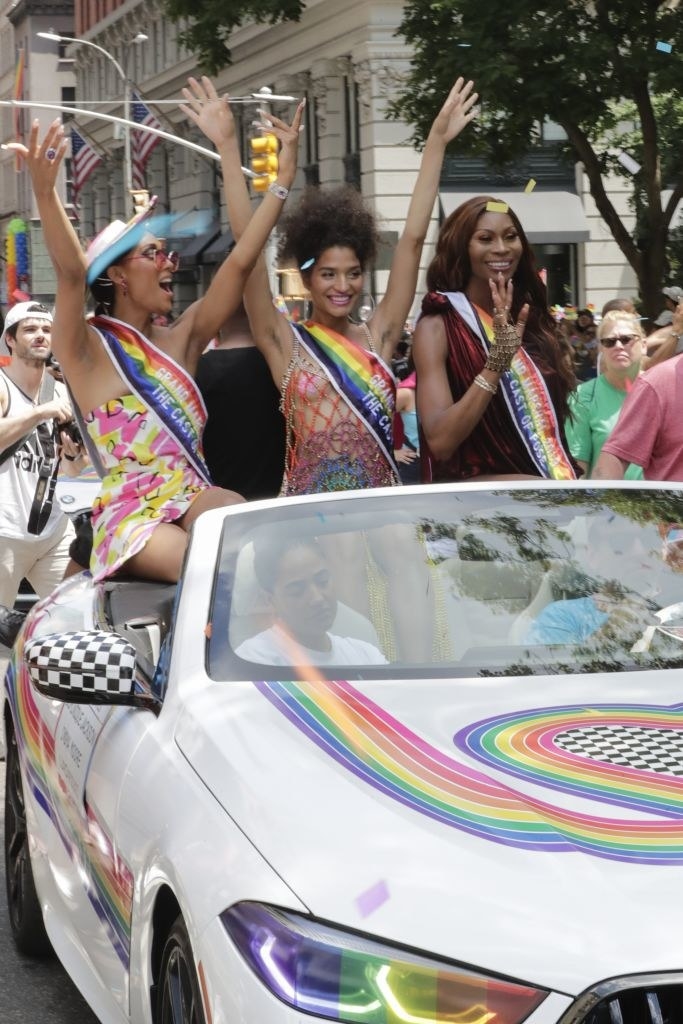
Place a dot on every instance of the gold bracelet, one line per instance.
(502, 351)
(482, 383)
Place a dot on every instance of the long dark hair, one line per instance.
(450, 271)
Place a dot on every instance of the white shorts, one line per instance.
(41, 561)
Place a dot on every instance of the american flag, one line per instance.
(142, 143)
(84, 160)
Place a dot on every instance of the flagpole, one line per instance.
(127, 156)
(210, 153)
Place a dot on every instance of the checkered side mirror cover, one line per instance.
(89, 661)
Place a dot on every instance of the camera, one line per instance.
(71, 428)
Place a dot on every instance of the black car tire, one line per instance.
(179, 999)
(23, 906)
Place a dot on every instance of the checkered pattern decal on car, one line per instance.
(650, 750)
(103, 662)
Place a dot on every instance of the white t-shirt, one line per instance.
(274, 647)
(19, 474)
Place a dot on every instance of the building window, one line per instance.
(63, 52)
(351, 133)
(311, 168)
(68, 100)
(69, 181)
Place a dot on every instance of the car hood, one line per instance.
(518, 825)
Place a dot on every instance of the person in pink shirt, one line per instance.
(649, 431)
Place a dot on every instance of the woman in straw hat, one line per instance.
(132, 379)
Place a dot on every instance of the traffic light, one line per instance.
(264, 162)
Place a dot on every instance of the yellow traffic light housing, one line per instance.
(264, 162)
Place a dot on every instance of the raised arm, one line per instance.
(271, 332)
(213, 115)
(664, 343)
(389, 318)
(70, 337)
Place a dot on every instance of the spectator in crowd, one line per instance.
(668, 340)
(649, 431)
(34, 533)
(408, 454)
(595, 405)
(400, 361)
(295, 574)
(492, 378)
(672, 296)
(244, 438)
(584, 345)
(338, 392)
(133, 379)
(620, 305)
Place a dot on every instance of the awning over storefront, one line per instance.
(545, 216)
(218, 250)
(190, 247)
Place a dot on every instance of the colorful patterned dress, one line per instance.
(338, 401)
(150, 444)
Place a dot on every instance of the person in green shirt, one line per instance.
(596, 404)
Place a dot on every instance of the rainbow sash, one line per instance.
(360, 377)
(160, 383)
(526, 396)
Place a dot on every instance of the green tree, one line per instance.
(211, 23)
(595, 68)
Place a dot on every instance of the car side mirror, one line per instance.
(84, 667)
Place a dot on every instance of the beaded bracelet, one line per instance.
(484, 384)
(503, 349)
(279, 191)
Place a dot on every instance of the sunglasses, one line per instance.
(625, 339)
(159, 256)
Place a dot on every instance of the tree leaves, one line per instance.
(212, 22)
(572, 63)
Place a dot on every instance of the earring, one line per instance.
(124, 288)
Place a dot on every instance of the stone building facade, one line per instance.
(347, 60)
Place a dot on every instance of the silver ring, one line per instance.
(51, 153)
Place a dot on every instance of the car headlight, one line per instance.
(336, 974)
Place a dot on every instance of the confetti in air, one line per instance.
(496, 207)
(631, 165)
(372, 898)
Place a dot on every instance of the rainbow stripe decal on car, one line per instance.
(107, 879)
(624, 754)
(377, 748)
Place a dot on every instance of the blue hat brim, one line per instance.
(139, 226)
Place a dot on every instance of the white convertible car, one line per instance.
(392, 757)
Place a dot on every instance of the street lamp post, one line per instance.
(127, 155)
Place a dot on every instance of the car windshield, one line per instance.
(451, 583)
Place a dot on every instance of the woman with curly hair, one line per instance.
(492, 379)
(337, 389)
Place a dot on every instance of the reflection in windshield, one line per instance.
(508, 582)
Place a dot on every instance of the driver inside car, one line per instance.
(608, 612)
(295, 575)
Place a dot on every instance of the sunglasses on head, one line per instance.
(159, 256)
(625, 340)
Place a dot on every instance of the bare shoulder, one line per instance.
(429, 339)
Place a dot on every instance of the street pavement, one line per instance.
(32, 991)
